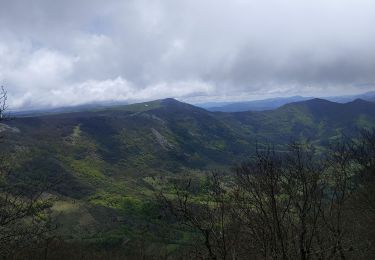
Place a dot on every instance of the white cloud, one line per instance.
(117, 89)
(71, 52)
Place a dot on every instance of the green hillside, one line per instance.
(109, 161)
(168, 136)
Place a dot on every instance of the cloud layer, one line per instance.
(55, 53)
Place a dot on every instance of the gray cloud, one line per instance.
(56, 53)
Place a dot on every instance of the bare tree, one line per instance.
(3, 102)
(210, 216)
(260, 208)
(292, 205)
(361, 151)
(24, 207)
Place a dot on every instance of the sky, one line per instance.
(62, 53)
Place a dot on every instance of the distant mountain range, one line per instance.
(273, 103)
(255, 105)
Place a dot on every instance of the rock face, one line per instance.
(162, 140)
(4, 128)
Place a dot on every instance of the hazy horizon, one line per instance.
(204, 104)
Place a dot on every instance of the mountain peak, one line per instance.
(317, 100)
(311, 102)
(359, 101)
(170, 101)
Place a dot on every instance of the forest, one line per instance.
(306, 201)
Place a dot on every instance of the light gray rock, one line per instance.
(7, 128)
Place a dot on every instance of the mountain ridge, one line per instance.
(273, 103)
(256, 105)
(217, 137)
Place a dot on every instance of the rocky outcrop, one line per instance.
(162, 140)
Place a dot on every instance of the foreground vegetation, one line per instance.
(298, 204)
(293, 205)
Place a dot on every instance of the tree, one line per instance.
(294, 205)
(24, 206)
(3, 102)
(361, 152)
(281, 198)
(210, 217)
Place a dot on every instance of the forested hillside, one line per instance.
(104, 170)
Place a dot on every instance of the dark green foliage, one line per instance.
(292, 205)
(110, 162)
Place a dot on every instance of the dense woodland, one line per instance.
(308, 200)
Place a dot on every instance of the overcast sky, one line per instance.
(56, 53)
